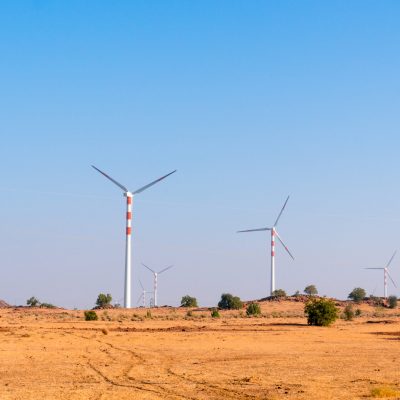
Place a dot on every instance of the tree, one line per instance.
(103, 300)
(392, 301)
(33, 302)
(320, 312)
(311, 290)
(188, 301)
(357, 294)
(229, 302)
(279, 293)
(253, 309)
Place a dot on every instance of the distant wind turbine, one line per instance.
(273, 234)
(143, 295)
(155, 276)
(386, 275)
(128, 254)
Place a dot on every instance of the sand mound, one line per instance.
(3, 304)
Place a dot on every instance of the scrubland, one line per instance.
(166, 354)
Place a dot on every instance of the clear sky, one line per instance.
(249, 100)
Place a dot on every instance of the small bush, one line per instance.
(253, 309)
(215, 313)
(189, 313)
(357, 294)
(358, 313)
(104, 331)
(148, 314)
(188, 301)
(279, 293)
(91, 316)
(320, 312)
(229, 302)
(376, 301)
(348, 313)
(392, 301)
(47, 305)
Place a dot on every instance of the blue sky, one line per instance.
(249, 100)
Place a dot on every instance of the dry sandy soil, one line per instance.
(55, 354)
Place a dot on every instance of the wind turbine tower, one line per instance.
(274, 233)
(386, 275)
(155, 276)
(128, 252)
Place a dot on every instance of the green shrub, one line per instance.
(188, 301)
(47, 305)
(148, 314)
(348, 313)
(311, 290)
(279, 293)
(320, 312)
(103, 300)
(253, 309)
(91, 316)
(392, 301)
(357, 294)
(229, 302)
(358, 313)
(215, 313)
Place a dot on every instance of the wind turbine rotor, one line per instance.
(111, 179)
(255, 230)
(391, 259)
(283, 244)
(277, 219)
(152, 183)
(165, 269)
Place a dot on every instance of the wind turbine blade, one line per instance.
(141, 284)
(391, 279)
(163, 270)
(149, 268)
(284, 245)
(375, 268)
(111, 179)
(391, 259)
(152, 183)
(255, 230)
(276, 222)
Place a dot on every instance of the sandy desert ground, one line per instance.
(55, 354)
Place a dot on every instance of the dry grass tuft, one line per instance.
(384, 392)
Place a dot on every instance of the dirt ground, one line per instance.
(126, 354)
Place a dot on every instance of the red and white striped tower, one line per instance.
(128, 251)
(274, 234)
(272, 260)
(129, 199)
(385, 285)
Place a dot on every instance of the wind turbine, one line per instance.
(386, 275)
(273, 234)
(128, 254)
(155, 275)
(143, 295)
